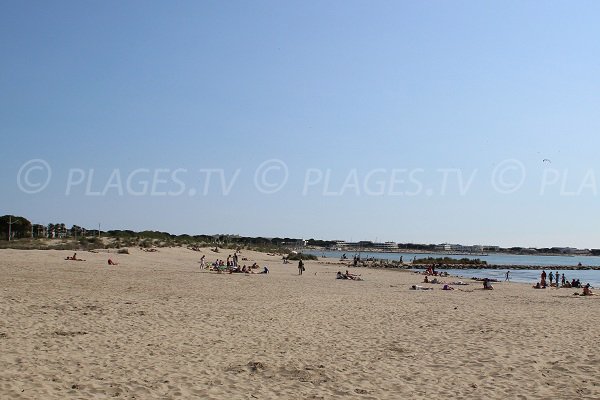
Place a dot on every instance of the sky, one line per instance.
(472, 122)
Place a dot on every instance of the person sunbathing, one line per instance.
(587, 291)
(74, 258)
(264, 271)
(446, 287)
(417, 287)
(352, 276)
(111, 262)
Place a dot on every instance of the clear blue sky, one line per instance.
(341, 86)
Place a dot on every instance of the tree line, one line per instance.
(16, 227)
(21, 228)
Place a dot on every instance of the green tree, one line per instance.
(19, 227)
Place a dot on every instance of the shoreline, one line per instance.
(451, 253)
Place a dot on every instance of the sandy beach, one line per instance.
(157, 327)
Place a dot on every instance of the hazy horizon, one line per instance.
(464, 122)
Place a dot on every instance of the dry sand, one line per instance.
(158, 327)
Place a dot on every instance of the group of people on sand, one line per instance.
(432, 272)
(348, 275)
(231, 266)
(558, 280)
(447, 285)
(554, 280)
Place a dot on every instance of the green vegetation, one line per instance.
(301, 256)
(27, 236)
(19, 227)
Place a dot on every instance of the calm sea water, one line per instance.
(525, 275)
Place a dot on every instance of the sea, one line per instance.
(547, 263)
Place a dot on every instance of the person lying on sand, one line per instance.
(446, 287)
(74, 258)
(352, 276)
(111, 262)
(417, 287)
(264, 271)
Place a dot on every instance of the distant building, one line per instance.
(565, 250)
(386, 246)
(459, 248)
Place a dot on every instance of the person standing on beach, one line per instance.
(300, 267)
(507, 276)
(543, 279)
(551, 276)
(556, 279)
(202, 263)
(563, 280)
